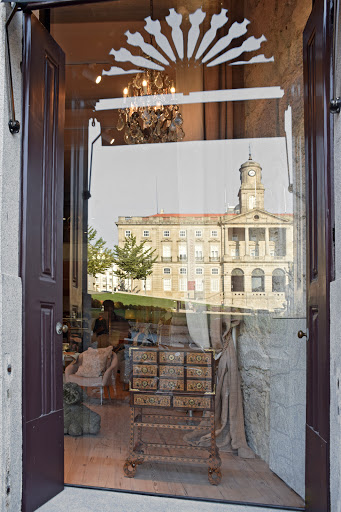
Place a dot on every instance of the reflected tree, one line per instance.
(100, 258)
(134, 261)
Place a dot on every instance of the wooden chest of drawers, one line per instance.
(172, 371)
(178, 379)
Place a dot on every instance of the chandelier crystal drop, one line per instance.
(150, 124)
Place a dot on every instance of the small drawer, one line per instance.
(204, 372)
(145, 356)
(171, 371)
(171, 357)
(199, 385)
(148, 370)
(152, 400)
(192, 402)
(144, 384)
(199, 358)
(171, 385)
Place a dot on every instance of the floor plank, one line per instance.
(98, 461)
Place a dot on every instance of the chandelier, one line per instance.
(150, 124)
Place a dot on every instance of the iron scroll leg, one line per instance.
(130, 465)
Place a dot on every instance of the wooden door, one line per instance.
(316, 42)
(42, 245)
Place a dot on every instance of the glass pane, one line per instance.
(184, 252)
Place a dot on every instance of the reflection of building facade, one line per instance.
(105, 282)
(243, 258)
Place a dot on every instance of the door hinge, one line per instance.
(13, 124)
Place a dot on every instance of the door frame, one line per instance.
(329, 144)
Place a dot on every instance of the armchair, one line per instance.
(106, 380)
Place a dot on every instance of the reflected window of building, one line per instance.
(147, 285)
(215, 271)
(254, 253)
(214, 233)
(278, 280)
(167, 285)
(166, 233)
(237, 280)
(199, 271)
(182, 233)
(214, 253)
(146, 233)
(252, 202)
(166, 253)
(214, 285)
(198, 233)
(127, 233)
(182, 253)
(258, 280)
(183, 285)
(199, 285)
(183, 270)
(198, 253)
(166, 270)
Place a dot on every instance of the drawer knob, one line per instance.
(199, 372)
(144, 383)
(144, 370)
(191, 402)
(144, 356)
(171, 357)
(199, 358)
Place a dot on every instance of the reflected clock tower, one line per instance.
(251, 192)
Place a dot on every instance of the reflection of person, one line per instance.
(100, 326)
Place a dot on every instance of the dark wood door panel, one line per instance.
(42, 246)
(44, 459)
(316, 49)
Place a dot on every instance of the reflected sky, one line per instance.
(180, 177)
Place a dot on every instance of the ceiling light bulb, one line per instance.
(125, 91)
(172, 90)
(112, 141)
(98, 79)
(144, 83)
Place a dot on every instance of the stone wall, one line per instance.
(273, 372)
(10, 282)
(335, 317)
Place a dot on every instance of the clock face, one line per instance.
(252, 172)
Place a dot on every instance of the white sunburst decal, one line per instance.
(196, 49)
(188, 47)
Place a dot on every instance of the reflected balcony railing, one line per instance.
(199, 258)
(214, 258)
(182, 257)
(166, 259)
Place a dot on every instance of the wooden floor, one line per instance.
(98, 461)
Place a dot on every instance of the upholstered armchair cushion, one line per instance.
(94, 362)
(107, 379)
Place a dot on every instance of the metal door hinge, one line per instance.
(13, 124)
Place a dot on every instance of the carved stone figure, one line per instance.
(78, 419)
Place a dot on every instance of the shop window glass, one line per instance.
(196, 131)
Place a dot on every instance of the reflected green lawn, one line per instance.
(135, 299)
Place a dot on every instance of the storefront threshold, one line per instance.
(90, 499)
